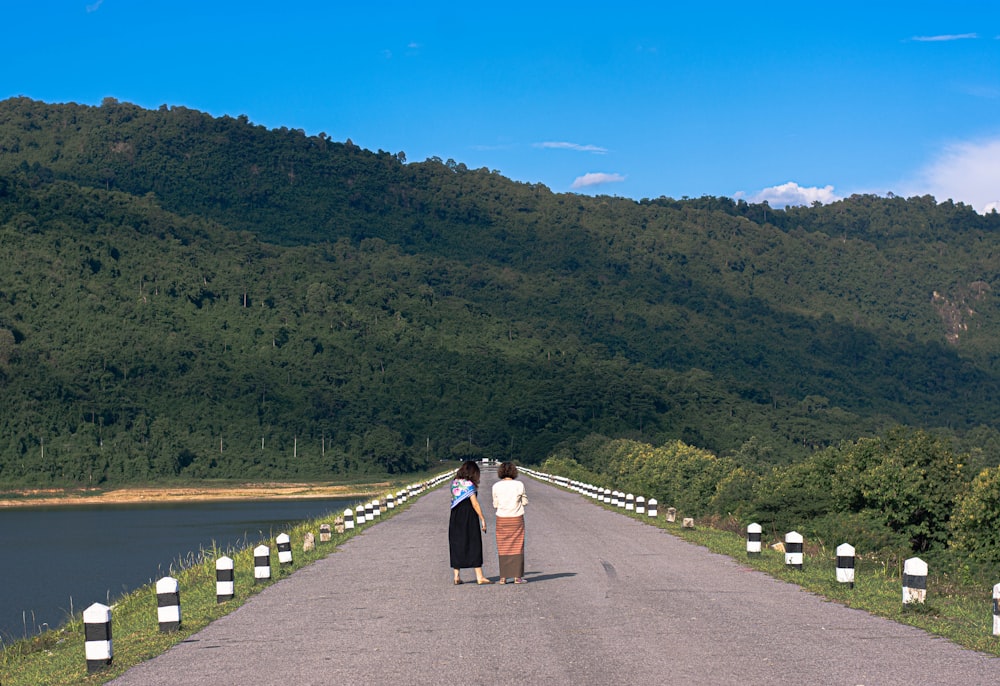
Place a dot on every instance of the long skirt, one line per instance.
(465, 542)
(510, 546)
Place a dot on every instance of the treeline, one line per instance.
(189, 296)
(903, 492)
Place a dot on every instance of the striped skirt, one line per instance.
(510, 546)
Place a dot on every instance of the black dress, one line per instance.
(464, 538)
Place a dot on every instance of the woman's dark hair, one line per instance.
(507, 471)
(468, 471)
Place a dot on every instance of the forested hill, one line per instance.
(183, 295)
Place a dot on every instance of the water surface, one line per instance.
(55, 559)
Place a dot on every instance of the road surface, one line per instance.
(609, 600)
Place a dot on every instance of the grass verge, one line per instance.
(57, 657)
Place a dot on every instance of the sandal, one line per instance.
(519, 580)
(502, 581)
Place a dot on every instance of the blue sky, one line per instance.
(789, 102)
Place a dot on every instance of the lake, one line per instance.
(58, 558)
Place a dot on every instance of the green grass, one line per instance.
(57, 657)
(956, 609)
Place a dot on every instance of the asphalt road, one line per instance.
(609, 601)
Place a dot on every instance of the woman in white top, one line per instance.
(509, 500)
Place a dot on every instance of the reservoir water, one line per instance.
(57, 558)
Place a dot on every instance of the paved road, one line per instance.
(609, 601)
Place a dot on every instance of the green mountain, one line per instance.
(182, 295)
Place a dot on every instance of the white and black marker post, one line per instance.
(359, 515)
(284, 543)
(324, 533)
(369, 512)
(845, 564)
(630, 502)
(914, 581)
(390, 501)
(225, 585)
(348, 519)
(996, 610)
(651, 511)
(261, 564)
(753, 539)
(640, 505)
(168, 604)
(97, 637)
(793, 549)
(376, 508)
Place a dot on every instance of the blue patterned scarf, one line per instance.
(460, 490)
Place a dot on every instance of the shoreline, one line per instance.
(137, 495)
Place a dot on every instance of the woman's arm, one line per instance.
(475, 506)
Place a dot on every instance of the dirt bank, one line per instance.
(154, 494)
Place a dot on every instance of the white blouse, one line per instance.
(509, 498)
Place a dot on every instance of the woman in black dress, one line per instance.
(464, 538)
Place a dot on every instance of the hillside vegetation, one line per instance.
(188, 296)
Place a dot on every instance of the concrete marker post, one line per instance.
(369, 512)
(640, 505)
(914, 581)
(996, 610)
(651, 511)
(754, 532)
(793, 549)
(261, 564)
(629, 502)
(168, 604)
(284, 543)
(390, 501)
(348, 519)
(324, 533)
(607, 496)
(97, 637)
(845, 564)
(225, 584)
(359, 515)
(671, 514)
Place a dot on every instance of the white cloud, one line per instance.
(96, 6)
(967, 172)
(945, 37)
(792, 193)
(596, 179)
(561, 145)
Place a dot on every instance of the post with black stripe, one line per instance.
(369, 512)
(914, 581)
(225, 585)
(753, 539)
(793, 549)
(359, 515)
(97, 637)
(348, 519)
(168, 604)
(261, 564)
(630, 502)
(390, 501)
(324, 533)
(640, 505)
(845, 564)
(651, 511)
(996, 610)
(284, 543)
